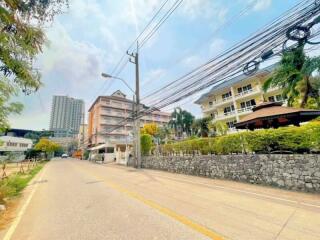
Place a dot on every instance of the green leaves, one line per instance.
(21, 39)
(146, 144)
(294, 75)
(293, 139)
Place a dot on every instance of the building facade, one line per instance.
(14, 148)
(230, 101)
(110, 119)
(66, 116)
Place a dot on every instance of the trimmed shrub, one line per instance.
(292, 139)
(146, 144)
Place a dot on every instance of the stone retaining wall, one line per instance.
(294, 172)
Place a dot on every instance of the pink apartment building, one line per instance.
(110, 119)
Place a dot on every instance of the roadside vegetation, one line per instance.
(13, 185)
(304, 139)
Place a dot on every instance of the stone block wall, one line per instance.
(293, 172)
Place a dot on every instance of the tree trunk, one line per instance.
(306, 92)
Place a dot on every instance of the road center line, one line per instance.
(180, 218)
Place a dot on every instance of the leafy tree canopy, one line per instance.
(295, 76)
(21, 39)
(181, 121)
(47, 146)
(150, 128)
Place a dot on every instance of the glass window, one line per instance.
(226, 95)
(279, 98)
(110, 149)
(271, 99)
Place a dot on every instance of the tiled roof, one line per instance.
(275, 110)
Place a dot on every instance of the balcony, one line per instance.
(224, 116)
(218, 103)
(245, 110)
(248, 92)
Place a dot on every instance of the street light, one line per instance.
(105, 75)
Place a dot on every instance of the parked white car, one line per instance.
(64, 155)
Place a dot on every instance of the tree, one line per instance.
(181, 121)
(220, 128)
(294, 76)
(47, 146)
(200, 127)
(150, 128)
(164, 133)
(146, 144)
(21, 39)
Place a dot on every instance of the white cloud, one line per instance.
(153, 75)
(203, 8)
(192, 61)
(261, 5)
(217, 46)
(75, 62)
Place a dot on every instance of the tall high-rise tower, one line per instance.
(66, 116)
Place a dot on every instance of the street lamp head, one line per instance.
(105, 75)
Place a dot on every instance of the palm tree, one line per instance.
(200, 127)
(220, 128)
(181, 122)
(294, 76)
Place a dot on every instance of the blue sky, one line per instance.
(91, 36)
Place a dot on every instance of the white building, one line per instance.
(66, 116)
(15, 146)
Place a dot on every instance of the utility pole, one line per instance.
(134, 58)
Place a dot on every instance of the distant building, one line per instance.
(232, 100)
(108, 112)
(15, 146)
(83, 136)
(68, 144)
(66, 116)
(15, 132)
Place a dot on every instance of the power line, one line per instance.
(230, 63)
(116, 70)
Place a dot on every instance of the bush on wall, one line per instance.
(146, 144)
(292, 139)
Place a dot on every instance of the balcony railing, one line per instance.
(226, 99)
(246, 92)
(246, 109)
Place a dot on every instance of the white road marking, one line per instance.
(17, 220)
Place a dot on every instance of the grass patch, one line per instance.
(15, 183)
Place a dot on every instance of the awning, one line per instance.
(97, 147)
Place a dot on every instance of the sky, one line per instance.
(92, 35)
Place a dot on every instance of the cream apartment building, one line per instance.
(115, 111)
(232, 100)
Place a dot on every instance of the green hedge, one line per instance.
(146, 143)
(292, 139)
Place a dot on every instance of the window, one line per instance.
(227, 95)
(246, 88)
(110, 149)
(228, 109)
(12, 144)
(279, 98)
(248, 104)
(231, 124)
(210, 103)
(271, 99)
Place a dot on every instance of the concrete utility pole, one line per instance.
(134, 58)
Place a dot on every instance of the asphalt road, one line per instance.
(72, 199)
